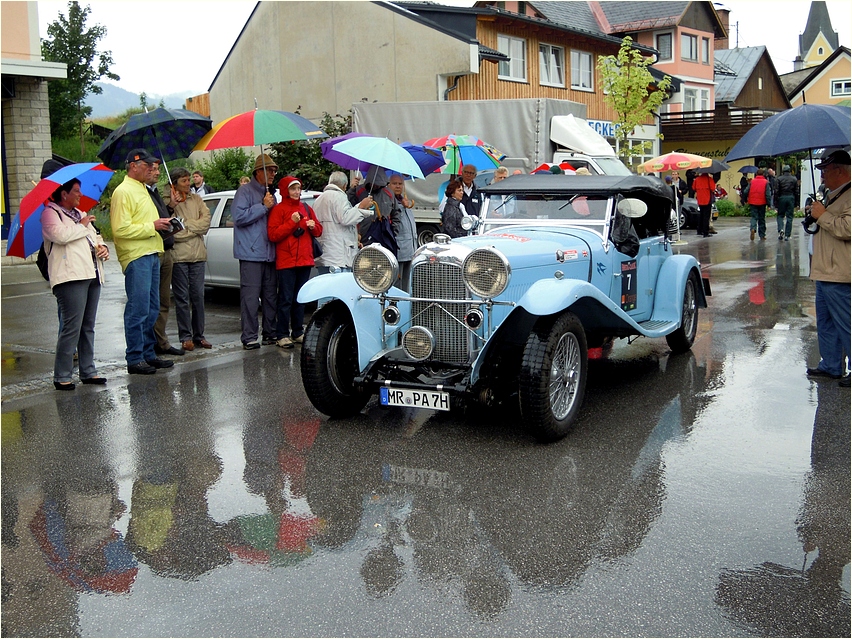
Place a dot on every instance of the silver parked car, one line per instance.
(223, 270)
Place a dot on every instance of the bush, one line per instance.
(223, 169)
(726, 208)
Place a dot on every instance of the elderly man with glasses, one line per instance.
(136, 226)
(471, 199)
(258, 277)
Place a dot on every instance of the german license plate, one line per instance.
(436, 400)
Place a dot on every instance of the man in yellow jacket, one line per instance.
(135, 228)
(831, 268)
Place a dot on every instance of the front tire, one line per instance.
(681, 340)
(330, 363)
(426, 233)
(553, 375)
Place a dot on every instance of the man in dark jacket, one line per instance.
(785, 200)
(471, 200)
(258, 277)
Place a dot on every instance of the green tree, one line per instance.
(74, 44)
(223, 169)
(630, 89)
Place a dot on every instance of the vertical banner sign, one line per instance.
(628, 285)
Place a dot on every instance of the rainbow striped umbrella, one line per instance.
(459, 150)
(259, 127)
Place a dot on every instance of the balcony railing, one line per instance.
(725, 123)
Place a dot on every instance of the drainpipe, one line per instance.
(454, 86)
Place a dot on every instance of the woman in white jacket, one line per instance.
(75, 252)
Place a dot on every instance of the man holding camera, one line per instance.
(136, 226)
(830, 267)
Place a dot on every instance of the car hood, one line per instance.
(526, 247)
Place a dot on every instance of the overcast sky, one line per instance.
(149, 39)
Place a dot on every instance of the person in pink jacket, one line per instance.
(292, 224)
(75, 252)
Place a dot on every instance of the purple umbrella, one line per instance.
(340, 159)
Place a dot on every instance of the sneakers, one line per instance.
(160, 363)
(250, 346)
(142, 368)
(818, 372)
(269, 341)
(780, 236)
(285, 342)
(751, 235)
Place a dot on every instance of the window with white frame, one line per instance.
(551, 65)
(696, 99)
(705, 50)
(840, 88)
(516, 67)
(664, 46)
(581, 71)
(688, 47)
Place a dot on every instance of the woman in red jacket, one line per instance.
(704, 186)
(291, 225)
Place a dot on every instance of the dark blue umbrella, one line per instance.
(428, 158)
(748, 168)
(167, 133)
(806, 127)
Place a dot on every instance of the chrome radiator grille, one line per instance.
(439, 280)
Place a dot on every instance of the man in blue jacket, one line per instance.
(258, 279)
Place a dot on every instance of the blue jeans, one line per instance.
(78, 307)
(833, 309)
(758, 218)
(188, 290)
(785, 211)
(142, 286)
(291, 314)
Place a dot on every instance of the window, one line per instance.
(516, 67)
(696, 99)
(688, 47)
(841, 88)
(760, 84)
(581, 71)
(705, 50)
(551, 65)
(664, 46)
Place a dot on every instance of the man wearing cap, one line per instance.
(830, 268)
(258, 278)
(135, 228)
(786, 202)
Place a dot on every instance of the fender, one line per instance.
(365, 309)
(671, 282)
(547, 297)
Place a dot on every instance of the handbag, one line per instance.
(317, 247)
(381, 232)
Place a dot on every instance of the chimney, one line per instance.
(724, 17)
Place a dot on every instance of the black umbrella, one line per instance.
(748, 168)
(167, 133)
(716, 167)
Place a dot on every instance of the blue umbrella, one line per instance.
(168, 133)
(748, 168)
(806, 127)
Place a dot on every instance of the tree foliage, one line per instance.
(303, 159)
(74, 44)
(632, 92)
(223, 169)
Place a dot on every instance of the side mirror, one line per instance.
(631, 207)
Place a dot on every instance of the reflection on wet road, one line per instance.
(703, 495)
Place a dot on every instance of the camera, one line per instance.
(809, 220)
(298, 232)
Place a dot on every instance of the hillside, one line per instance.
(115, 100)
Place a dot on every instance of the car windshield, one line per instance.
(522, 209)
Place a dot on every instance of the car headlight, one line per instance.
(486, 272)
(375, 269)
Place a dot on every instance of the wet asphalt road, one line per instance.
(700, 495)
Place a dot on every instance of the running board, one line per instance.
(657, 328)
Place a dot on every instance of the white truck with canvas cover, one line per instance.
(528, 131)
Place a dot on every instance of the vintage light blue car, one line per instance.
(554, 266)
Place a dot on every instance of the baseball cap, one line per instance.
(140, 155)
(833, 156)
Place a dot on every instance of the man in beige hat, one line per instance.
(258, 279)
